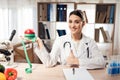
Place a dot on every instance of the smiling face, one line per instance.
(75, 24)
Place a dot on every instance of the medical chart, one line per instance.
(77, 74)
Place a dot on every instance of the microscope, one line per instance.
(6, 50)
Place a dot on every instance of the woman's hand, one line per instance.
(24, 38)
(39, 41)
(72, 60)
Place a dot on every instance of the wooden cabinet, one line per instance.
(19, 55)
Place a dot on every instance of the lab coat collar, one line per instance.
(84, 40)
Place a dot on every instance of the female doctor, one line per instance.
(72, 49)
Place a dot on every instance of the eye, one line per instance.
(77, 21)
(70, 21)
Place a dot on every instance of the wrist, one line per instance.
(39, 41)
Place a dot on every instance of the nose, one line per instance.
(72, 24)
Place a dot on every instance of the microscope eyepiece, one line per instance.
(5, 52)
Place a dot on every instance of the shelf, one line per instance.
(90, 11)
(47, 30)
(105, 13)
(101, 24)
(101, 21)
(50, 16)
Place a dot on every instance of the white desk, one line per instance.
(40, 72)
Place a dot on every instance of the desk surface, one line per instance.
(42, 73)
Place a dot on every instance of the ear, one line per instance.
(83, 23)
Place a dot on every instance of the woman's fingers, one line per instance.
(39, 41)
(72, 60)
(71, 54)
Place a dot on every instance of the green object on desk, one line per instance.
(27, 70)
(2, 68)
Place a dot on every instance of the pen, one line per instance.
(87, 52)
(73, 71)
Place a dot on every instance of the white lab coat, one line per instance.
(60, 53)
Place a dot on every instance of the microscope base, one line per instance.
(7, 65)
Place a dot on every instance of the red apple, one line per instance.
(29, 31)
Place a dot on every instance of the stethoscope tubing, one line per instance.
(67, 42)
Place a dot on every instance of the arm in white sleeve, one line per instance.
(96, 61)
(49, 59)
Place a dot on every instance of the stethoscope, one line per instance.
(67, 42)
(88, 53)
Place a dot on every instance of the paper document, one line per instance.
(77, 74)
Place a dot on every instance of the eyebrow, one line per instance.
(75, 20)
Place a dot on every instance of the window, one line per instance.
(17, 15)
